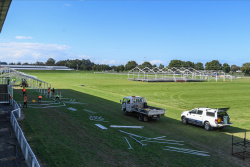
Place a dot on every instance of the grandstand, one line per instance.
(35, 67)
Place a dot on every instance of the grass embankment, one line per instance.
(61, 137)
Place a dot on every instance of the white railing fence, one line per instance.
(27, 152)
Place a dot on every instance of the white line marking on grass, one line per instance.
(72, 109)
(96, 118)
(49, 106)
(120, 126)
(138, 141)
(101, 126)
(185, 149)
(164, 142)
(89, 111)
(187, 152)
(131, 134)
(72, 102)
(128, 143)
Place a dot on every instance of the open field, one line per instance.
(61, 137)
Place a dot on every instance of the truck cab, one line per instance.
(136, 104)
(131, 103)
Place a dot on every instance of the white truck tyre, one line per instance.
(125, 112)
(207, 126)
(145, 118)
(184, 120)
(140, 117)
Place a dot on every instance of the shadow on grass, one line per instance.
(108, 148)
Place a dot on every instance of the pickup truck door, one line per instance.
(124, 104)
(199, 117)
(196, 117)
(128, 105)
(191, 116)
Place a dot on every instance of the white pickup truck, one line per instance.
(207, 117)
(136, 104)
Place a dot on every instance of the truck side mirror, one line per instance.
(120, 101)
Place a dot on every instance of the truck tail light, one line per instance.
(216, 121)
(162, 114)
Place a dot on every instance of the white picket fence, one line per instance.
(27, 152)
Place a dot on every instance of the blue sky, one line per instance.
(115, 32)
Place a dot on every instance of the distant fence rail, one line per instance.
(27, 152)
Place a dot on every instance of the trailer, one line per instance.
(138, 105)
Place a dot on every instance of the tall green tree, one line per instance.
(50, 62)
(130, 65)
(226, 68)
(61, 63)
(161, 66)
(146, 64)
(199, 66)
(189, 64)
(246, 68)
(213, 65)
(121, 67)
(176, 63)
(234, 68)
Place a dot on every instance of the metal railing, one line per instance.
(3, 80)
(26, 150)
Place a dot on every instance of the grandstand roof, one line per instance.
(35, 67)
(4, 7)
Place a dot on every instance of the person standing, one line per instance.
(48, 92)
(25, 101)
(24, 91)
(40, 98)
(57, 98)
(53, 92)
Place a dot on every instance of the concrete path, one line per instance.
(10, 151)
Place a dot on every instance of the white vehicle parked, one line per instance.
(136, 104)
(207, 117)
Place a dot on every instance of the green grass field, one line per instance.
(61, 137)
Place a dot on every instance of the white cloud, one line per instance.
(24, 37)
(109, 62)
(84, 57)
(32, 52)
(156, 62)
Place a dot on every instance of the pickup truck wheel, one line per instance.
(184, 120)
(145, 118)
(207, 126)
(140, 117)
(125, 112)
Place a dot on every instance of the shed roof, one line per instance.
(4, 7)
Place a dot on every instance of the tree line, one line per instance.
(86, 64)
